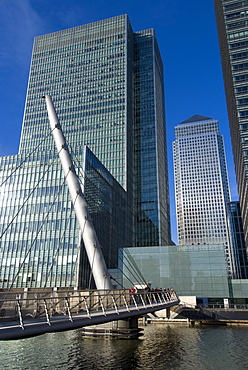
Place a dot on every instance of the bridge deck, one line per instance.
(26, 317)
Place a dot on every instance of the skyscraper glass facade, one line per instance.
(201, 184)
(232, 22)
(85, 70)
(237, 240)
(40, 243)
(107, 86)
(106, 83)
(150, 166)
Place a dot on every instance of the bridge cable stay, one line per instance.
(26, 158)
(75, 272)
(91, 243)
(136, 278)
(29, 195)
(135, 267)
(34, 240)
(55, 255)
(32, 191)
(118, 268)
(22, 206)
(118, 283)
(91, 273)
(139, 278)
(82, 173)
(91, 197)
(29, 250)
(75, 264)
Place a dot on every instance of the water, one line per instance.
(163, 346)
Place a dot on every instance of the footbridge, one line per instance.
(33, 313)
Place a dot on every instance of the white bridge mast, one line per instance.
(92, 246)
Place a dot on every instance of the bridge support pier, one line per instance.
(120, 329)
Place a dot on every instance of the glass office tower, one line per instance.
(232, 22)
(201, 184)
(107, 86)
(237, 240)
(150, 154)
(106, 83)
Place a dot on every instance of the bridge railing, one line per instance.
(47, 304)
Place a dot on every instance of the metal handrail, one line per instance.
(160, 293)
(71, 303)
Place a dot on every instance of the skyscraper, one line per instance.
(107, 87)
(201, 184)
(106, 82)
(232, 22)
(237, 240)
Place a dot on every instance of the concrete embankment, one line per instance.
(221, 316)
(212, 315)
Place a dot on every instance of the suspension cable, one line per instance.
(79, 248)
(54, 255)
(136, 268)
(34, 240)
(29, 195)
(118, 268)
(91, 269)
(131, 272)
(26, 158)
(139, 276)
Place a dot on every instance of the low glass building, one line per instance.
(196, 271)
(192, 270)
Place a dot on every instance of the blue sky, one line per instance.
(187, 36)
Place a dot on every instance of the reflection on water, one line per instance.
(162, 347)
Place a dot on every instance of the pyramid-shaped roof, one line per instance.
(196, 118)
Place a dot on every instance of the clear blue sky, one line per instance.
(187, 36)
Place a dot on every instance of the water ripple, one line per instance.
(162, 347)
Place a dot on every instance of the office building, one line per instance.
(232, 22)
(106, 82)
(201, 184)
(197, 272)
(237, 240)
(40, 244)
(107, 86)
(190, 269)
